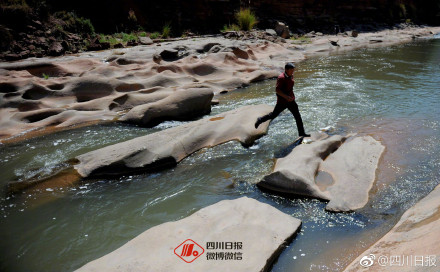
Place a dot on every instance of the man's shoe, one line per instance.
(258, 122)
(304, 135)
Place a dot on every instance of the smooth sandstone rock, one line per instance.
(170, 146)
(296, 172)
(262, 229)
(353, 168)
(416, 234)
(86, 89)
(350, 168)
(181, 105)
(82, 82)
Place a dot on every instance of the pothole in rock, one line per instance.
(323, 180)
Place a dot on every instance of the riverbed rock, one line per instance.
(221, 69)
(414, 239)
(145, 40)
(181, 105)
(262, 230)
(329, 169)
(169, 54)
(86, 89)
(169, 146)
(282, 30)
(271, 32)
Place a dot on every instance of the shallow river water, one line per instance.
(390, 93)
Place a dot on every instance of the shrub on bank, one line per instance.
(154, 35)
(232, 27)
(74, 23)
(166, 31)
(246, 19)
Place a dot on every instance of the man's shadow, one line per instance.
(285, 150)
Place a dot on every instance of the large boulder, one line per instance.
(262, 230)
(282, 30)
(329, 169)
(167, 147)
(181, 105)
(411, 245)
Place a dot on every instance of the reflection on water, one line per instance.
(391, 94)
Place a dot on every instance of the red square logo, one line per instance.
(189, 250)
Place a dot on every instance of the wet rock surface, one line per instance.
(263, 231)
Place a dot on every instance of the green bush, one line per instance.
(129, 37)
(14, 14)
(166, 31)
(154, 35)
(15, 4)
(232, 27)
(84, 25)
(246, 19)
(75, 24)
(132, 16)
(402, 12)
(301, 39)
(6, 38)
(108, 38)
(125, 37)
(132, 22)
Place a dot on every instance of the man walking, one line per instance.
(285, 99)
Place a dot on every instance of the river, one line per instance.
(391, 93)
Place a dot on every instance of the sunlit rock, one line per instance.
(181, 105)
(262, 230)
(332, 169)
(167, 147)
(411, 245)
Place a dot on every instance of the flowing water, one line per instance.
(390, 93)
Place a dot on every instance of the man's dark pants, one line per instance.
(281, 106)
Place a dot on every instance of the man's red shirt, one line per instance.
(285, 85)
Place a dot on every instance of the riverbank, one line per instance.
(45, 95)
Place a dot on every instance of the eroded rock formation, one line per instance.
(329, 168)
(167, 147)
(38, 94)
